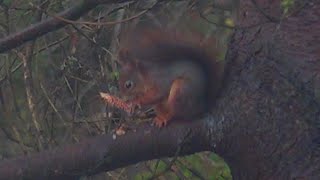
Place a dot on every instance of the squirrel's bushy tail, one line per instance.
(150, 44)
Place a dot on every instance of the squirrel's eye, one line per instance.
(128, 84)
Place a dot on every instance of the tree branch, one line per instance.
(108, 152)
(51, 24)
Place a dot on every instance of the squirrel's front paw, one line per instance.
(160, 121)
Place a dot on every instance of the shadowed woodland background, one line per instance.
(265, 124)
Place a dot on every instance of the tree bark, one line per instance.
(108, 152)
(271, 107)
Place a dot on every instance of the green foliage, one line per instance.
(143, 176)
(229, 22)
(197, 166)
(115, 75)
(287, 5)
(159, 166)
(7, 2)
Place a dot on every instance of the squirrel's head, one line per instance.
(132, 80)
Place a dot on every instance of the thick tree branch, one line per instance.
(51, 24)
(108, 152)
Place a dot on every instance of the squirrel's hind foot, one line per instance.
(160, 121)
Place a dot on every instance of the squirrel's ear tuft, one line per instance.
(124, 56)
(141, 69)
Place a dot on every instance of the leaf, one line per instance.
(115, 75)
(229, 22)
(287, 5)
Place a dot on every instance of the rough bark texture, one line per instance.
(270, 107)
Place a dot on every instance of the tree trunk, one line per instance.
(270, 110)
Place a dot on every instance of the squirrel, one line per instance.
(176, 73)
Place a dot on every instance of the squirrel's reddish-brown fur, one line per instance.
(176, 72)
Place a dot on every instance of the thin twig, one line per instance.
(269, 17)
(52, 104)
(35, 53)
(31, 99)
(92, 23)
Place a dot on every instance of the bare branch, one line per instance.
(51, 24)
(31, 98)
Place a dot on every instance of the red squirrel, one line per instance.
(176, 73)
